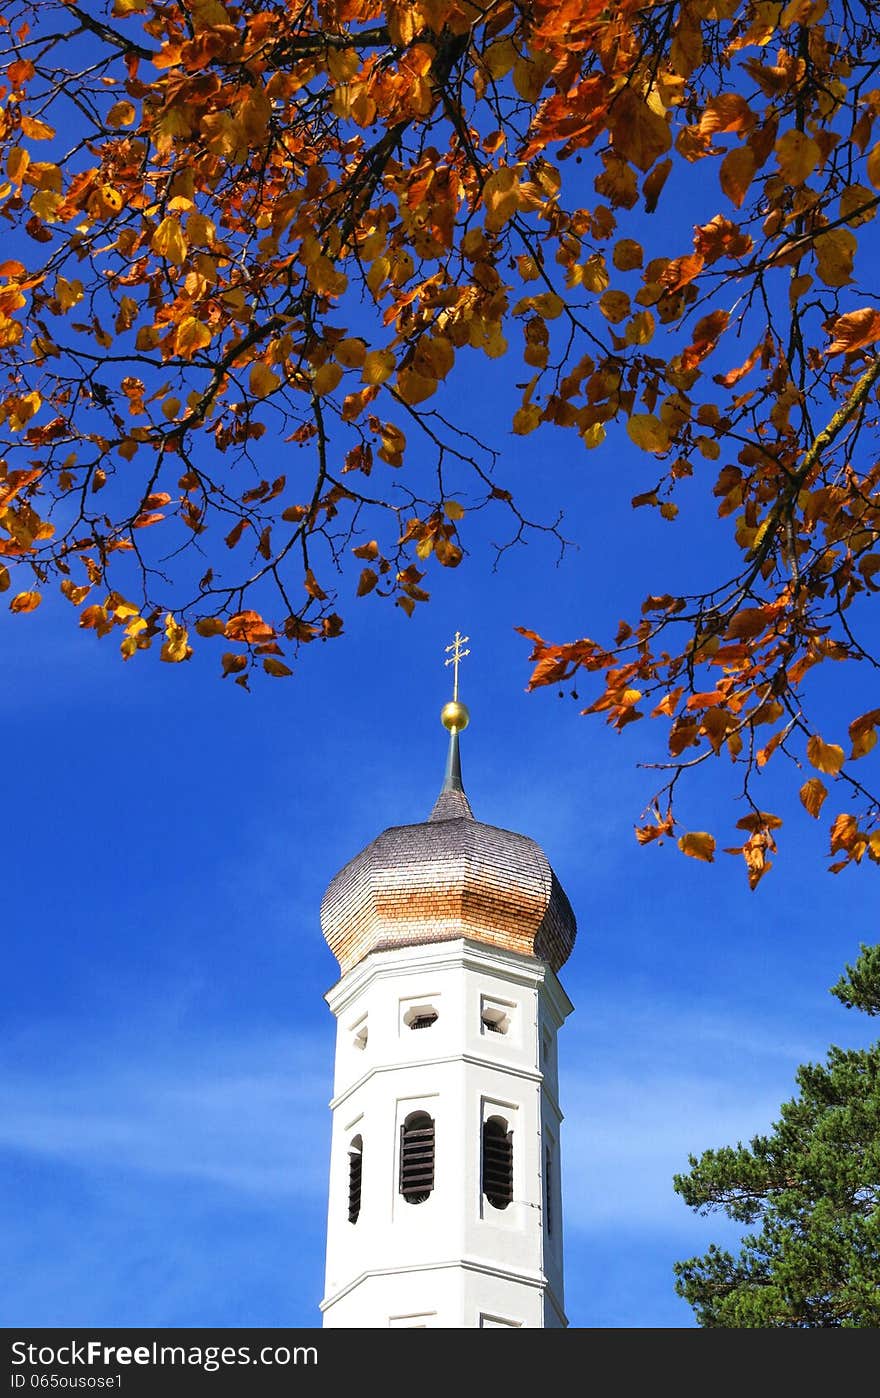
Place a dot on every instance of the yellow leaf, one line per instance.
(834, 256)
(501, 197)
(326, 379)
(263, 380)
(500, 57)
(25, 601)
(530, 75)
(378, 365)
(825, 757)
(798, 156)
(170, 408)
(200, 231)
(525, 420)
(121, 114)
(191, 336)
(615, 306)
(857, 204)
(648, 432)
(595, 273)
(393, 444)
(627, 255)
(175, 647)
(640, 330)
(211, 626)
(367, 581)
(453, 509)
(36, 129)
(873, 166)
(123, 610)
(436, 357)
(68, 293)
(169, 241)
(699, 845)
(350, 353)
(415, 388)
(812, 794)
(17, 162)
(4, 578)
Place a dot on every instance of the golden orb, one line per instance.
(454, 716)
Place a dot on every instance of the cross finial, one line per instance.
(455, 659)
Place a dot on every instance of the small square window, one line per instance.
(495, 1016)
(420, 1017)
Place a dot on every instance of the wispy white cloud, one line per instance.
(245, 1116)
(643, 1091)
(624, 1139)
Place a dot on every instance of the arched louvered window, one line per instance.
(355, 1176)
(497, 1162)
(417, 1157)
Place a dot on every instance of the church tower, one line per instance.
(445, 1204)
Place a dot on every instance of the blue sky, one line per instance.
(166, 1055)
(166, 1050)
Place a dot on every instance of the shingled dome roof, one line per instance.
(450, 876)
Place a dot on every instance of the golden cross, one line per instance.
(455, 658)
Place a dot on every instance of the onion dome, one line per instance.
(450, 876)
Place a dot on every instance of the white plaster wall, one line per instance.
(454, 1258)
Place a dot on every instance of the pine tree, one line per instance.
(813, 1188)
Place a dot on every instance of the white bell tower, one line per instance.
(445, 1205)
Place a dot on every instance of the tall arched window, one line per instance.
(497, 1162)
(355, 1176)
(417, 1157)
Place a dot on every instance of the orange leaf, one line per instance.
(276, 668)
(812, 794)
(759, 820)
(727, 112)
(736, 174)
(313, 587)
(699, 845)
(73, 593)
(863, 733)
(233, 664)
(855, 330)
(367, 551)
(367, 581)
(210, 626)
(639, 133)
(681, 271)
(25, 602)
(825, 757)
(249, 627)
